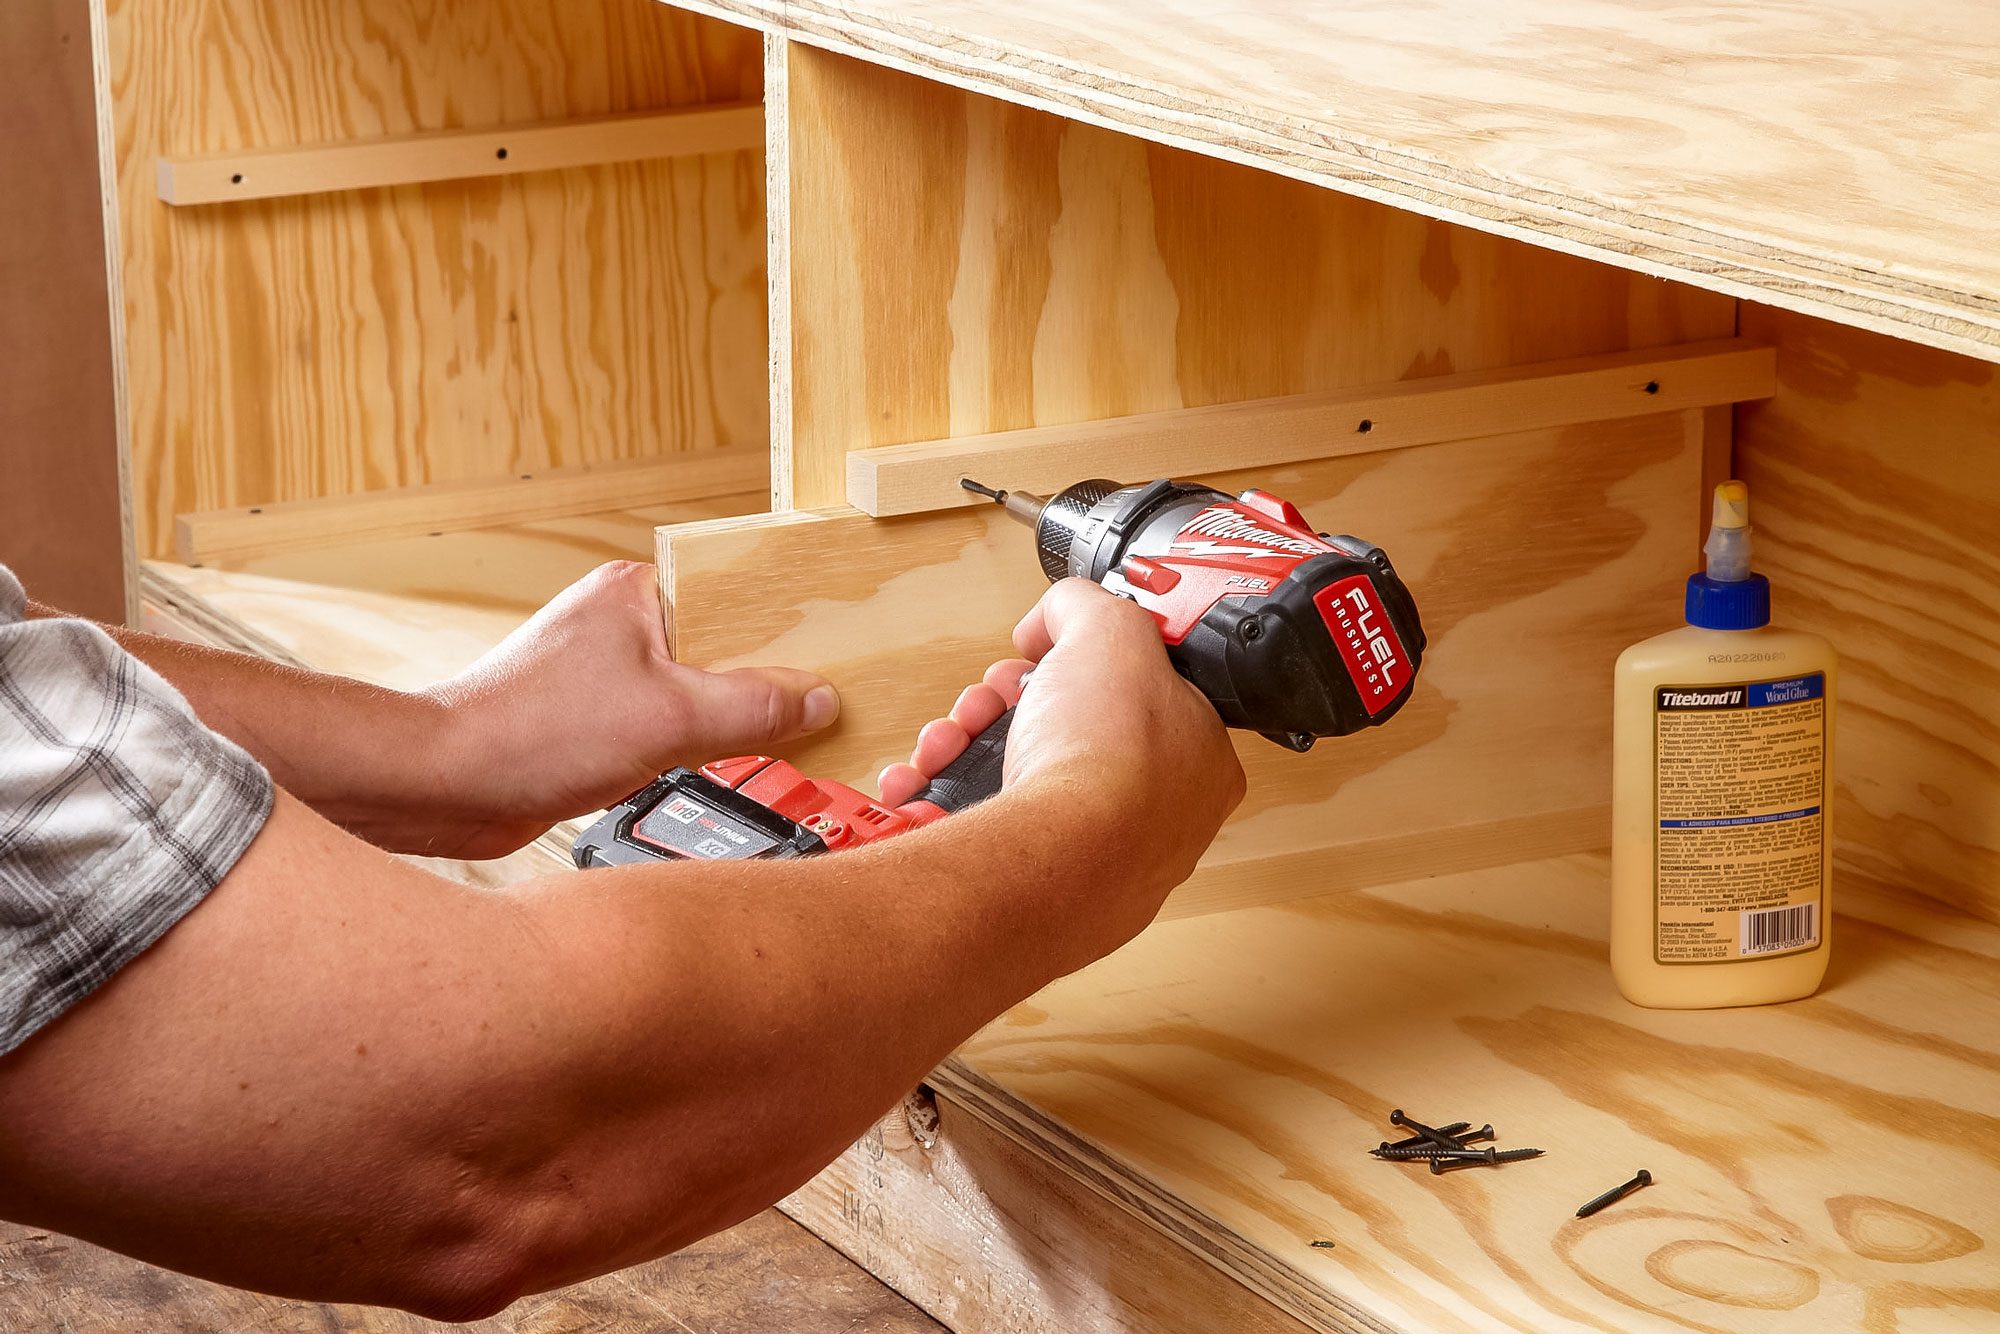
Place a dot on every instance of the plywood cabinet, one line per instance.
(1504, 297)
(446, 315)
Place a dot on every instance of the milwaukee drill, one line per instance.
(1289, 632)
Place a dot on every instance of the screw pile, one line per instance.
(1446, 1148)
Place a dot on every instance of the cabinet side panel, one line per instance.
(323, 345)
(964, 265)
(62, 528)
(1875, 488)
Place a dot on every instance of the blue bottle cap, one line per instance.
(1728, 604)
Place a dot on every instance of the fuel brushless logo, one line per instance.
(1212, 530)
(1367, 643)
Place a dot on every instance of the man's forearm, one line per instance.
(402, 1091)
(368, 758)
(771, 1012)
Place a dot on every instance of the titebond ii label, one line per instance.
(1740, 851)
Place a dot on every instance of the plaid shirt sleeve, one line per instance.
(119, 812)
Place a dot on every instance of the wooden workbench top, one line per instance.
(1836, 158)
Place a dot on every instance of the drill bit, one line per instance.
(1024, 506)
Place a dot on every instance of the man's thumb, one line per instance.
(740, 711)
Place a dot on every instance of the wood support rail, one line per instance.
(452, 155)
(1264, 433)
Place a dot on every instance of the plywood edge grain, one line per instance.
(554, 493)
(1746, 263)
(907, 479)
(452, 155)
(778, 260)
(1198, 1234)
(993, 1232)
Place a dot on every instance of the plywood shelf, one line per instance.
(1819, 158)
(251, 531)
(1828, 1164)
(404, 611)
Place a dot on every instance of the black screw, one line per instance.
(1451, 1162)
(1431, 1133)
(1252, 630)
(1417, 1153)
(1616, 1193)
(1456, 1130)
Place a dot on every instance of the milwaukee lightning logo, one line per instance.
(1367, 643)
(1228, 525)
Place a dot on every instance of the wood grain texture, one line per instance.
(778, 260)
(457, 155)
(408, 611)
(1876, 498)
(443, 507)
(1535, 558)
(765, 1274)
(960, 266)
(1827, 1164)
(1819, 157)
(991, 1237)
(1269, 432)
(63, 523)
(287, 349)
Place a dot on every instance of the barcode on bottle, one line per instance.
(1771, 929)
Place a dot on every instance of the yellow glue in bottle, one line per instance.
(1722, 749)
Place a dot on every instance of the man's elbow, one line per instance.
(478, 1250)
(469, 1283)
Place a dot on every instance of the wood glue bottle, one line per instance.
(1721, 841)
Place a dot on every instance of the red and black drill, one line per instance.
(1289, 632)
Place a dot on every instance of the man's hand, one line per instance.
(1107, 722)
(583, 705)
(579, 707)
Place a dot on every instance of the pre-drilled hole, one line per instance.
(1652, 386)
(1366, 426)
(237, 179)
(500, 153)
(256, 509)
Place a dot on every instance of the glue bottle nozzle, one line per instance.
(1728, 545)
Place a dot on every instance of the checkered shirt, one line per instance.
(119, 811)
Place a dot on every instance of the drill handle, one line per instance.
(973, 776)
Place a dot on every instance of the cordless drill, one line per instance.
(1289, 632)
